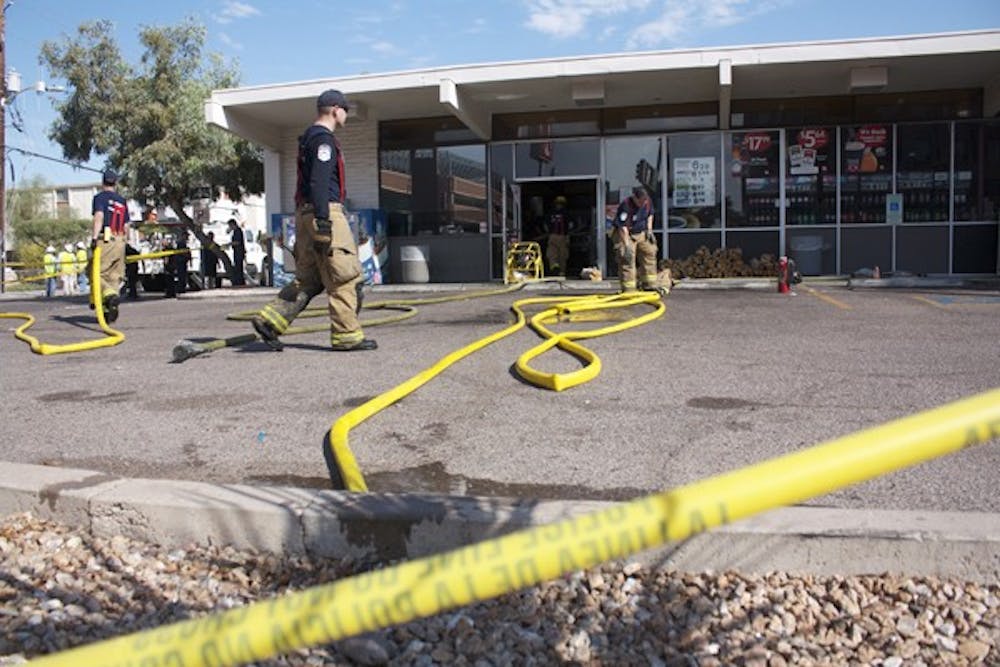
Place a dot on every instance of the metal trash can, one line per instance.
(808, 254)
(414, 261)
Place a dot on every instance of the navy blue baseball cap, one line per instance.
(332, 98)
(110, 177)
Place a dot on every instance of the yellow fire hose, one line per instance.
(343, 467)
(187, 348)
(428, 586)
(113, 337)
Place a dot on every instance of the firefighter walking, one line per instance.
(326, 256)
(110, 217)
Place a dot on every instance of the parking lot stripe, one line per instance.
(929, 302)
(826, 297)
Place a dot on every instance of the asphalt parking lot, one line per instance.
(725, 379)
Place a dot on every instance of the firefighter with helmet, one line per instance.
(557, 250)
(635, 243)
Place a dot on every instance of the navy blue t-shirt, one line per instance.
(114, 208)
(632, 215)
(321, 171)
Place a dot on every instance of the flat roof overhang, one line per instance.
(474, 93)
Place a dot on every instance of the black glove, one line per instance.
(651, 238)
(322, 235)
(359, 288)
(93, 243)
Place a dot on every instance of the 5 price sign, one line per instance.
(813, 137)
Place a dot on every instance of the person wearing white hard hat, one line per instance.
(49, 263)
(67, 269)
(81, 267)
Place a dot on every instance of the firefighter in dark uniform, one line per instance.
(635, 244)
(557, 250)
(326, 256)
(110, 212)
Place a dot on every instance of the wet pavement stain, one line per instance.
(83, 395)
(294, 481)
(50, 494)
(355, 401)
(720, 403)
(190, 449)
(433, 478)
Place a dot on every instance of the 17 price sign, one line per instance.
(757, 142)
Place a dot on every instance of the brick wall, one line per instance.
(359, 141)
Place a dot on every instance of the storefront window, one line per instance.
(630, 162)
(811, 176)
(501, 172)
(924, 155)
(396, 190)
(695, 187)
(866, 160)
(752, 179)
(463, 169)
(977, 171)
(434, 190)
(555, 159)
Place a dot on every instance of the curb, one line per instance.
(386, 527)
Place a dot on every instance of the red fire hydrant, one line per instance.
(783, 277)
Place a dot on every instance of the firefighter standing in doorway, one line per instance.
(635, 244)
(557, 250)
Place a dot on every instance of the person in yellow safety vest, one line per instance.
(81, 266)
(49, 262)
(67, 269)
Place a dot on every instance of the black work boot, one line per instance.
(363, 344)
(111, 309)
(267, 333)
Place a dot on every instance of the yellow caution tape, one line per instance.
(113, 337)
(428, 586)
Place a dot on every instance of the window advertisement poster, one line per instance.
(867, 149)
(694, 182)
(809, 151)
(894, 209)
(754, 154)
(283, 236)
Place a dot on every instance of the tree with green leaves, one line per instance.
(33, 223)
(148, 120)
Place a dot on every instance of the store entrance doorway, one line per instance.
(538, 203)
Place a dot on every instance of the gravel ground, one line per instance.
(60, 587)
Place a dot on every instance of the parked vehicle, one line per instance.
(164, 234)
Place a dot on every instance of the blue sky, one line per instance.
(277, 41)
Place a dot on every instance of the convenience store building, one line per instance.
(843, 154)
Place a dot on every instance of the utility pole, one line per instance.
(3, 149)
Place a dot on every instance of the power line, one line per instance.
(52, 159)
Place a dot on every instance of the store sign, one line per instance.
(873, 135)
(757, 142)
(813, 137)
(694, 182)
